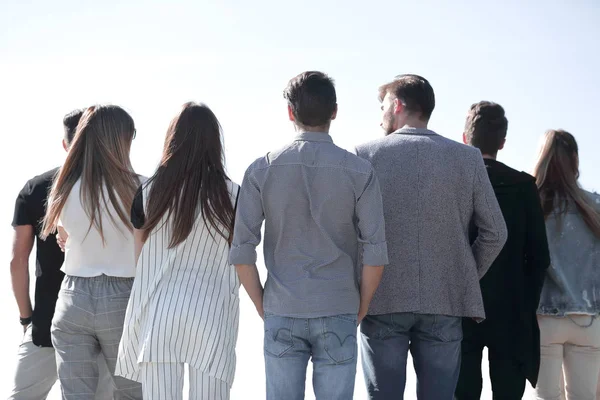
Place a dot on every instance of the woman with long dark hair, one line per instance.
(570, 301)
(88, 205)
(184, 305)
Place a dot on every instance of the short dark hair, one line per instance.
(70, 122)
(486, 126)
(311, 96)
(413, 91)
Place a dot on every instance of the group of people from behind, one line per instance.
(430, 246)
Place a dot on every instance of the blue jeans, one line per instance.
(291, 342)
(434, 343)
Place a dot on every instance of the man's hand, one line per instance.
(361, 315)
(261, 312)
(61, 243)
(19, 267)
(371, 276)
(25, 327)
(251, 282)
(61, 238)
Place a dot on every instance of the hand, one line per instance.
(25, 327)
(361, 315)
(61, 238)
(261, 312)
(61, 242)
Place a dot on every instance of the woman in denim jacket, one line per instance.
(570, 300)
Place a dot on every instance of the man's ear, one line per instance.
(291, 114)
(65, 145)
(465, 141)
(502, 144)
(398, 106)
(334, 115)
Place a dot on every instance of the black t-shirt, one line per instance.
(138, 217)
(30, 209)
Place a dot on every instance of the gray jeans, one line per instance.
(89, 321)
(36, 373)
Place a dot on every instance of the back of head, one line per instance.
(557, 172)
(70, 122)
(191, 177)
(414, 91)
(486, 127)
(312, 99)
(99, 156)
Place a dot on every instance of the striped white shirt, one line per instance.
(184, 305)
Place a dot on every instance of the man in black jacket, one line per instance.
(512, 286)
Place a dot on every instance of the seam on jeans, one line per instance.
(439, 333)
(343, 318)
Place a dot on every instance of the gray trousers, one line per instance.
(36, 373)
(88, 321)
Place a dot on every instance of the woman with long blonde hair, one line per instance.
(184, 304)
(570, 301)
(88, 204)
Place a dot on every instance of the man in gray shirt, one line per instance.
(317, 202)
(433, 188)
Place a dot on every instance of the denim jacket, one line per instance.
(572, 284)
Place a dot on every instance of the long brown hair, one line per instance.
(556, 174)
(191, 177)
(99, 156)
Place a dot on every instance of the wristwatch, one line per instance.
(25, 321)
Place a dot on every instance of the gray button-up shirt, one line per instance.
(318, 202)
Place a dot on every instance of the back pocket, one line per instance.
(339, 338)
(278, 335)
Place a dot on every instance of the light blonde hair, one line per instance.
(99, 156)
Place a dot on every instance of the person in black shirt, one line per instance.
(36, 369)
(511, 288)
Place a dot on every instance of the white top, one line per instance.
(184, 305)
(85, 253)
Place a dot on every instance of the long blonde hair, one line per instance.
(99, 156)
(556, 173)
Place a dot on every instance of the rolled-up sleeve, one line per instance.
(371, 223)
(248, 221)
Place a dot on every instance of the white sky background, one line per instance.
(540, 60)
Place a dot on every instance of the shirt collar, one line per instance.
(414, 131)
(313, 137)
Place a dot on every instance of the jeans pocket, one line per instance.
(448, 329)
(339, 338)
(377, 327)
(278, 335)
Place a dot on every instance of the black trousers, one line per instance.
(506, 374)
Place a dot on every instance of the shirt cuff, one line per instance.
(375, 254)
(242, 254)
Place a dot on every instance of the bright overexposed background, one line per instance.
(539, 59)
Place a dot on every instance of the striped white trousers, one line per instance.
(164, 381)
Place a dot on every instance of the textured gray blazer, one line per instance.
(433, 188)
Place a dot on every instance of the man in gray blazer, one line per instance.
(433, 188)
